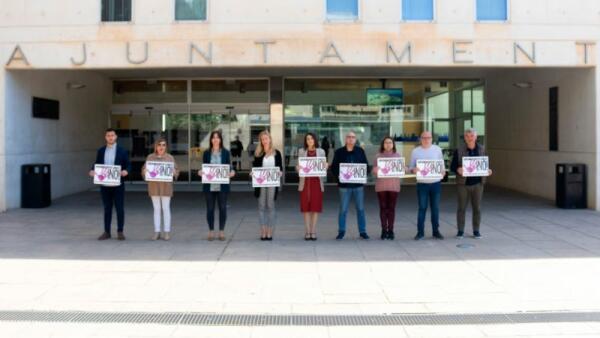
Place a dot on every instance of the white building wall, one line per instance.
(68, 144)
(52, 32)
(518, 128)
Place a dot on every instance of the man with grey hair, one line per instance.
(429, 190)
(468, 188)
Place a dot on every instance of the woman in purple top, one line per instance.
(387, 189)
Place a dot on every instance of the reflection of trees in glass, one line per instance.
(176, 121)
(190, 9)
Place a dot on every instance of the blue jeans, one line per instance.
(429, 194)
(359, 201)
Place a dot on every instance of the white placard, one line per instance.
(312, 166)
(215, 173)
(390, 167)
(157, 171)
(107, 175)
(266, 177)
(475, 166)
(428, 170)
(353, 173)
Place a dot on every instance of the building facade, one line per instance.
(523, 73)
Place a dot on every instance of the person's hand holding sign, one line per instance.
(124, 173)
(231, 173)
(92, 173)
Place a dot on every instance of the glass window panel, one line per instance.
(478, 100)
(150, 91)
(342, 9)
(466, 101)
(190, 9)
(116, 10)
(495, 10)
(417, 10)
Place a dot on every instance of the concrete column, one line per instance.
(3, 79)
(597, 136)
(276, 110)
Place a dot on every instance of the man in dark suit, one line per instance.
(112, 154)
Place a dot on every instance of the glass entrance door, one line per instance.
(240, 129)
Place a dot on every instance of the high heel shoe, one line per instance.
(313, 237)
(307, 237)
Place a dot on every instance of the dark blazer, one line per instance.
(225, 159)
(342, 155)
(121, 158)
(258, 162)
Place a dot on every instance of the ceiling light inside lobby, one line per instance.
(523, 84)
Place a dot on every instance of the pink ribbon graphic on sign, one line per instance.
(424, 171)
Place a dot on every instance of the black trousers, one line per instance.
(113, 196)
(212, 198)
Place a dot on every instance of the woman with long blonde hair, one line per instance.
(266, 156)
(161, 192)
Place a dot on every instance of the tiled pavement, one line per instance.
(533, 257)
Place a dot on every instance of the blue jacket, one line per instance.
(121, 158)
(225, 159)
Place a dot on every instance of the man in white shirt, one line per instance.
(428, 190)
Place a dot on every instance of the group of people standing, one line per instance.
(311, 189)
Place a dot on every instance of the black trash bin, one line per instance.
(571, 186)
(35, 185)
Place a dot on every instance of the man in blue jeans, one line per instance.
(429, 190)
(350, 153)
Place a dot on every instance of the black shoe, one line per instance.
(384, 234)
(476, 234)
(105, 235)
(263, 238)
(340, 235)
(460, 234)
(419, 237)
(307, 237)
(269, 238)
(390, 235)
(364, 235)
(437, 235)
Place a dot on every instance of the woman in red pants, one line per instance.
(387, 190)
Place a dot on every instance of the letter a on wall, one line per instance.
(17, 55)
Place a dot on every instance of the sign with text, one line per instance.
(266, 177)
(353, 173)
(430, 170)
(312, 166)
(157, 171)
(475, 166)
(215, 173)
(107, 175)
(390, 167)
